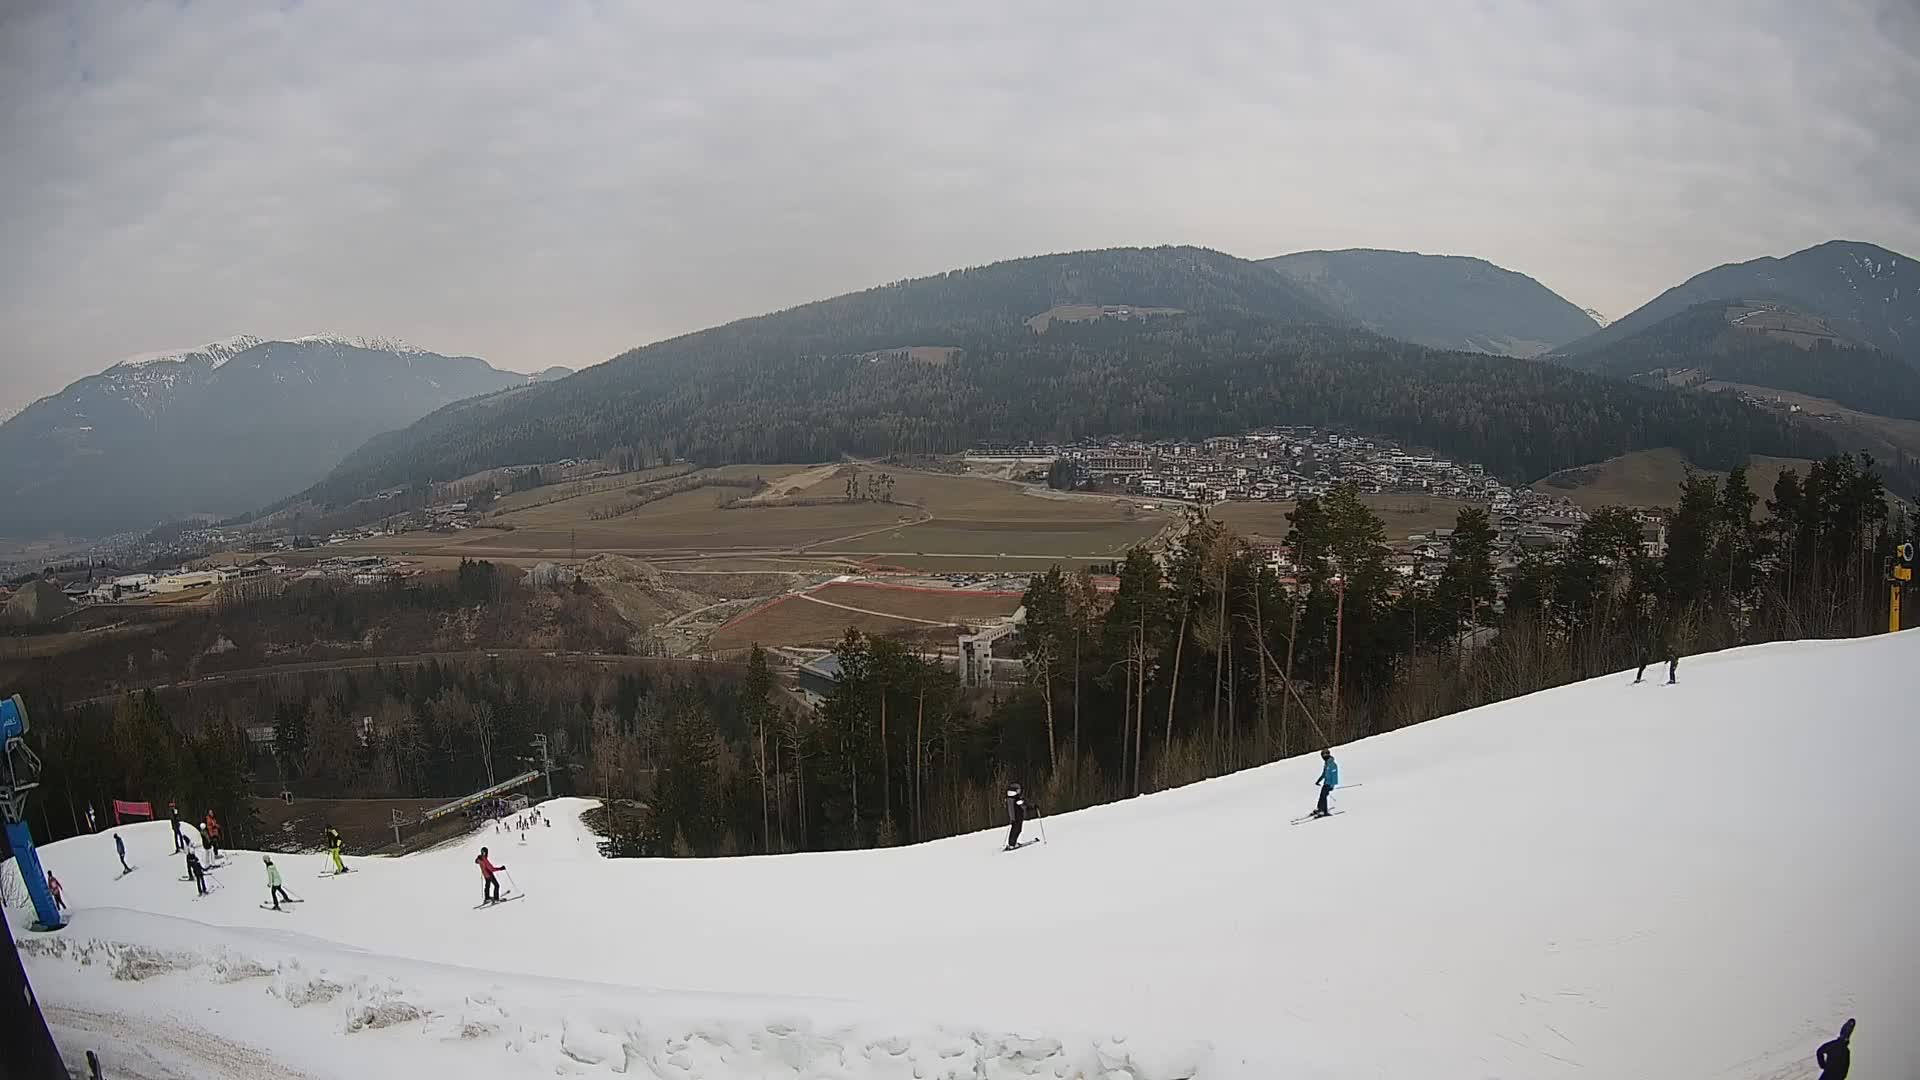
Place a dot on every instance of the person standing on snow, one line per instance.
(1836, 1057)
(276, 890)
(120, 849)
(213, 837)
(197, 872)
(173, 815)
(53, 887)
(334, 844)
(1329, 779)
(489, 892)
(1016, 813)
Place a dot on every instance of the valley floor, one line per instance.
(1604, 880)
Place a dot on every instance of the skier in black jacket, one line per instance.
(1834, 1058)
(197, 872)
(1016, 813)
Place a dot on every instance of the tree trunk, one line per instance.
(1046, 691)
(919, 754)
(1219, 663)
(1076, 698)
(1260, 640)
(766, 820)
(1286, 702)
(1139, 699)
(1126, 716)
(886, 765)
(779, 796)
(1233, 725)
(1173, 691)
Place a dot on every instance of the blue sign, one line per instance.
(13, 717)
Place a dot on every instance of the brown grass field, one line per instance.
(687, 521)
(971, 516)
(1651, 478)
(569, 489)
(929, 615)
(936, 521)
(1402, 515)
(934, 605)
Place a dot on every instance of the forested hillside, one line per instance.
(1869, 294)
(1248, 350)
(1442, 301)
(1764, 345)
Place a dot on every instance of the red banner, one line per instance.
(124, 809)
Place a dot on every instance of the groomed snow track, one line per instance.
(1603, 880)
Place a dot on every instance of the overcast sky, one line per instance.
(554, 182)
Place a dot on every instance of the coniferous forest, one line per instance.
(1189, 665)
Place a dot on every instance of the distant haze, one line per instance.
(551, 184)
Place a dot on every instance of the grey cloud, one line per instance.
(554, 183)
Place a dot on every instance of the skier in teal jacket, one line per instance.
(1329, 779)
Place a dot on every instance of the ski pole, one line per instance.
(511, 884)
(1042, 822)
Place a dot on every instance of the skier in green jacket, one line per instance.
(275, 890)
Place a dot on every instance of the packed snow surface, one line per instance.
(1604, 880)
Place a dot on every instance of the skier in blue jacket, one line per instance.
(1329, 779)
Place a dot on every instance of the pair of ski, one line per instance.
(1021, 844)
(1310, 817)
(496, 903)
(270, 907)
(336, 873)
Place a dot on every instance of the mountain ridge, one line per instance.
(216, 429)
(1762, 343)
(1159, 341)
(1869, 293)
(1441, 301)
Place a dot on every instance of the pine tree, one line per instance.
(756, 709)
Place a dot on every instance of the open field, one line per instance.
(1883, 436)
(975, 564)
(794, 621)
(1402, 515)
(568, 489)
(975, 516)
(686, 521)
(820, 616)
(1651, 478)
(933, 518)
(929, 604)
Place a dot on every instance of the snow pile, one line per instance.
(1605, 880)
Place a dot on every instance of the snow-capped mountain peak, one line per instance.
(180, 432)
(353, 341)
(218, 351)
(1598, 318)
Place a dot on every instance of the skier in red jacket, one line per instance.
(490, 894)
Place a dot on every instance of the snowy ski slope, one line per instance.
(1599, 881)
